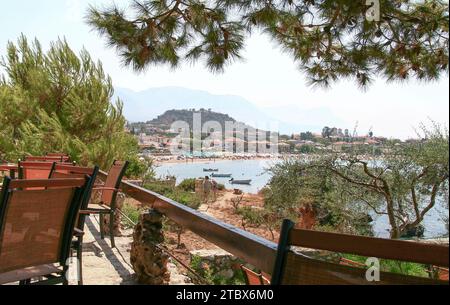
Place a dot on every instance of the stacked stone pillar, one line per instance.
(148, 260)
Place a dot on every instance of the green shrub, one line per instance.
(191, 200)
(188, 185)
(160, 187)
(250, 216)
(132, 212)
(178, 194)
(211, 274)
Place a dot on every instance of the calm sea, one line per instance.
(256, 171)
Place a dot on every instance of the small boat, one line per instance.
(210, 169)
(247, 182)
(221, 175)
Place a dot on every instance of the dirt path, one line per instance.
(223, 210)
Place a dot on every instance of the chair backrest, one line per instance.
(58, 155)
(59, 159)
(252, 278)
(69, 172)
(113, 181)
(35, 170)
(13, 170)
(292, 268)
(36, 226)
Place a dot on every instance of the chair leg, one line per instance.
(65, 281)
(111, 228)
(102, 231)
(80, 260)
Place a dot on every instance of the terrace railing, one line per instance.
(262, 253)
(251, 248)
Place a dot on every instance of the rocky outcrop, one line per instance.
(148, 260)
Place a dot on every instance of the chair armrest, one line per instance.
(85, 212)
(78, 233)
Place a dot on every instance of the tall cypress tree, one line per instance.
(61, 101)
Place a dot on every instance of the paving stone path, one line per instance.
(103, 265)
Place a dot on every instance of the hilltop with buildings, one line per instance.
(220, 130)
(158, 135)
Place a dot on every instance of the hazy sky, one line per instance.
(267, 77)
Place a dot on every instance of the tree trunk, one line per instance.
(395, 232)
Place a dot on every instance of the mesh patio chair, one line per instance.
(36, 228)
(58, 155)
(254, 279)
(62, 171)
(9, 169)
(34, 170)
(107, 203)
(293, 268)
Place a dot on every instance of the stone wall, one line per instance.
(148, 261)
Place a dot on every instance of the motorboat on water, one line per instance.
(209, 170)
(221, 175)
(245, 182)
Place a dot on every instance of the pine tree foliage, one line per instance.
(329, 39)
(57, 101)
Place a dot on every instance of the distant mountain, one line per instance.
(146, 105)
(165, 121)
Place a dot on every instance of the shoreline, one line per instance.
(159, 161)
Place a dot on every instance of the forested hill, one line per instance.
(171, 116)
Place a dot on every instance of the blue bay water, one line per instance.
(240, 169)
(256, 171)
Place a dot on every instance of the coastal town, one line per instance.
(158, 140)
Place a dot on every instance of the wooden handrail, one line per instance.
(372, 247)
(249, 247)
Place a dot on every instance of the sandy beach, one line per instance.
(173, 159)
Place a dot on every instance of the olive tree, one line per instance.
(404, 184)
